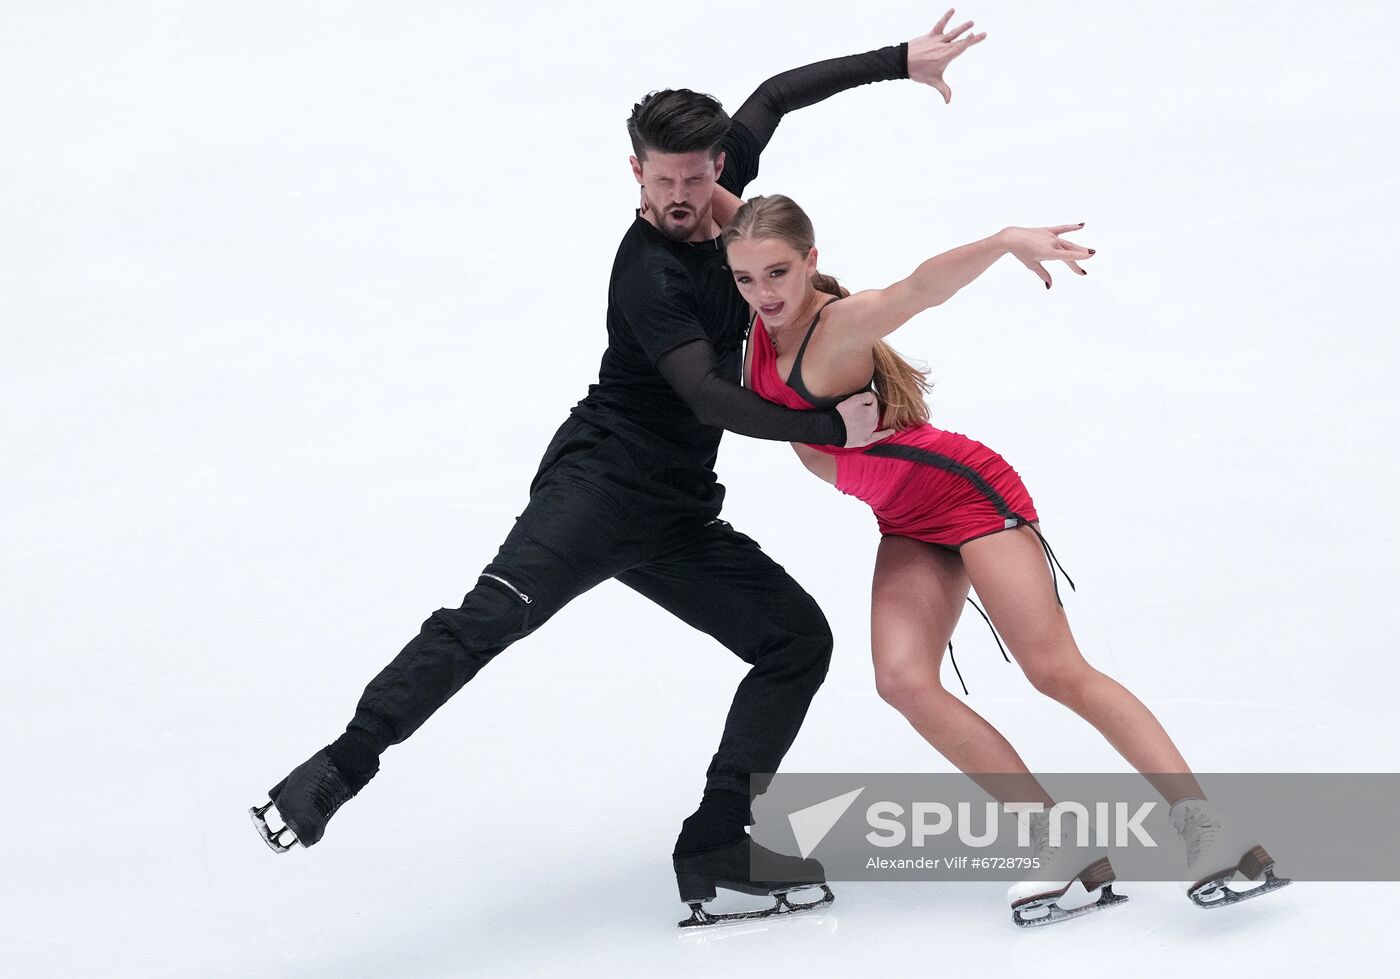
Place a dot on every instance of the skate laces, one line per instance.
(330, 790)
(1199, 829)
(1040, 835)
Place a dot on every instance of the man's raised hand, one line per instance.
(930, 53)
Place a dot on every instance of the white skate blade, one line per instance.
(278, 840)
(1073, 902)
(700, 918)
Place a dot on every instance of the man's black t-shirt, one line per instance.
(663, 294)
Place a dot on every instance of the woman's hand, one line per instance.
(1031, 246)
(930, 53)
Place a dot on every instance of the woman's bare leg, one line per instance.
(918, 595)
(1010, 574)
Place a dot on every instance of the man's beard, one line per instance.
(685, 228)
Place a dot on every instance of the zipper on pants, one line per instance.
(518, 593)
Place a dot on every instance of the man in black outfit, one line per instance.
(627, 488)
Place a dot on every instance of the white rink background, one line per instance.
(293, 295)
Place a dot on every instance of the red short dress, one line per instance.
(922, 482)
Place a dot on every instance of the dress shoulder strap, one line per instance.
(802, 350)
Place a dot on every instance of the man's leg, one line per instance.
(721, 583)
(567, 540)
(556, 551)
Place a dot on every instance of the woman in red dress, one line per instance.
(953, 515)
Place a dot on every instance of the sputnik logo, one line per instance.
(810, 825)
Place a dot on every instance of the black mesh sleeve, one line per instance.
(692, 371)
(810, 84)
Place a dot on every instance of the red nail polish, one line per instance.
(1047, 285)
(1091, 251)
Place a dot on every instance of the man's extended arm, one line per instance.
(810, 84)
(761, 112)
(922, 59)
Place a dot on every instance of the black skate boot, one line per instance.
(776, 874)
(306, 800)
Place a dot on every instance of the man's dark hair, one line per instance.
(677, 121)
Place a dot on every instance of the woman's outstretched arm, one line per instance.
(876, 313)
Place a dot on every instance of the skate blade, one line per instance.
(274, 840)
(1029, 914)
(1217, 893)
(739, 931)
(700, 918)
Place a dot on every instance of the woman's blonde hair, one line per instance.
(899, 385)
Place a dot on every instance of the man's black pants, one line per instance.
(591, 517)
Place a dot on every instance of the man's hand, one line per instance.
(861, 413)
(931, 53)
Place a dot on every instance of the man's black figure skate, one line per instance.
(306, 800)
(749, 868)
